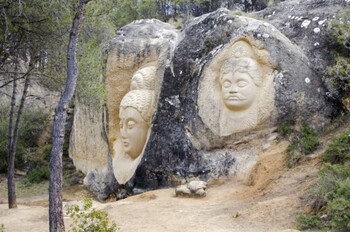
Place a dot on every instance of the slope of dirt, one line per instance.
(268, 202)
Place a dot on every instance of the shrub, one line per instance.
(339, 206)
(46, 152)
(339, 150)
(2, 228)
(330, 198)
(38, 175)
(88, 219)
(339, 30)
(32, 124)
(285, 128)
(303, 143)
(309, 221)
(338, 35)
(338, 81)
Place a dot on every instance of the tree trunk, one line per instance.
(55, 189)
(13, 134)
(12, 202)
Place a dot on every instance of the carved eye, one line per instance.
(242, 83)
(131, 124)
(226, 84)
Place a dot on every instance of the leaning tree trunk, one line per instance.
(55, 189)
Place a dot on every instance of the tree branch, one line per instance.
(15, 79)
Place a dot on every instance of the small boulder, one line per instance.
(195, 188)
(182, 190)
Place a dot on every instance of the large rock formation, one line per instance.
(216, 90)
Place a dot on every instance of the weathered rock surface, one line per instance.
(305, 23)
(181, 145)
(88, 148)
(188, 139)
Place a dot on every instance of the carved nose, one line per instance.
(123, 132)
(233, 89)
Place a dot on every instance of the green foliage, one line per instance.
(91, 64)
(285, 128)
(339, 76)
(303, 143)
(2, 228)
(147, 9)
(124, 12)
(32, 125)
(30, 28)
(330, 198)
(309, 140)
(38, 175)
(88, 219)
(339, 206)
(338, 34)
(46, 151)
(339, 150)
(309, 221)
(339, 31)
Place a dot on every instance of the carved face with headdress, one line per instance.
(136, 109)
(240, 79)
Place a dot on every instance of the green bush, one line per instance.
(285, 128)
(309, 140)
(339, 31)
(339, 206)
(32, 124)
(339, 150)
(309, 221)
(38, 175)
(338, 35)
(330, 198)
(88, 219)
(2, 228)
(46, 152)
(303, 143)
(339, 77)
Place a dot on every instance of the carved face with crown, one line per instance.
(239, 79)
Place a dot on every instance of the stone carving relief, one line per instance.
(135, 116)
(236, 92)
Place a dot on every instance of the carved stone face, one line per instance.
(133, 131)
(238, 90)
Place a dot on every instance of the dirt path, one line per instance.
(270, 203)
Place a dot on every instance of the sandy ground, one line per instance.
(269, 200)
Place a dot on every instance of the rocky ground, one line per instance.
(268, 200)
